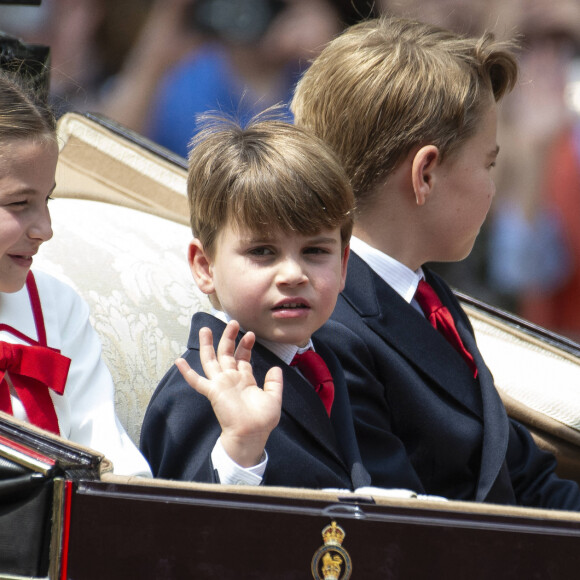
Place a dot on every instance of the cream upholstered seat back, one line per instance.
(120, 222)
(131, 267)
(538, 378)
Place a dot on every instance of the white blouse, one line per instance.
(86, 410)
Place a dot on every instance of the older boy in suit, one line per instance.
(271, 212)
(411, 111)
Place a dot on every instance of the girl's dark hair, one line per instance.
(23, 113)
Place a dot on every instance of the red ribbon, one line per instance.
(33, 370)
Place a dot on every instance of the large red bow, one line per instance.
(33, 370)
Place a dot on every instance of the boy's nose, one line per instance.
(290, 272)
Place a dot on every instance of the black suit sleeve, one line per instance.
(180, 430)
(532, 473)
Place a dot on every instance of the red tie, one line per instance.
(33, 370)
(314, 369)
(441, 319)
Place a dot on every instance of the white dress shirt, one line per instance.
(399, 277)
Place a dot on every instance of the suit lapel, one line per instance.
(341, 419)
(495, 420)
(299, 401)
(405, 330)
(495, 430)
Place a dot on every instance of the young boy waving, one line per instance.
(411, 111)
(271, 212)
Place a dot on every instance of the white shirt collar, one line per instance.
(398, 276)
(284, 352)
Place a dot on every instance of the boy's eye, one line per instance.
(261, 251)
(315, 250)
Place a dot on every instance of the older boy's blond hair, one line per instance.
(267, 176)
(388, 85)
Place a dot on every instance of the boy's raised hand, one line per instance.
(246, 413)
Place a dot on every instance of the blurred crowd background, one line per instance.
(152, 65)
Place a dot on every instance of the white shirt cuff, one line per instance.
(230, 473)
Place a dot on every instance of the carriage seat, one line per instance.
(120, 239)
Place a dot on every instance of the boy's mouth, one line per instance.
(292, 305)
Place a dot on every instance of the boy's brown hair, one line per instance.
(267, 176)
(388, 85)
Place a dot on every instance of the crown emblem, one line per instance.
(331, 561)
(333, 534)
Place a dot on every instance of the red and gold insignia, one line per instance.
(332, 561)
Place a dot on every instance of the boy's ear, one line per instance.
(422, 172)
(344, 265)
(200, 266)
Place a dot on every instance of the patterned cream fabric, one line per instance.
(539, 384)
(543, 379)
(131, 267)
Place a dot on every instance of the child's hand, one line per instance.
(246, 413)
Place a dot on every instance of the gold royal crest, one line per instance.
(331, 561)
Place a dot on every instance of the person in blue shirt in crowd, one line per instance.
(250, 58)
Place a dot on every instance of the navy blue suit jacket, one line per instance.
(413, 395)
(306, 449)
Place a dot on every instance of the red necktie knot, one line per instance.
(441, 319)
(314, 369)
(33, 370)
(428, 300)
